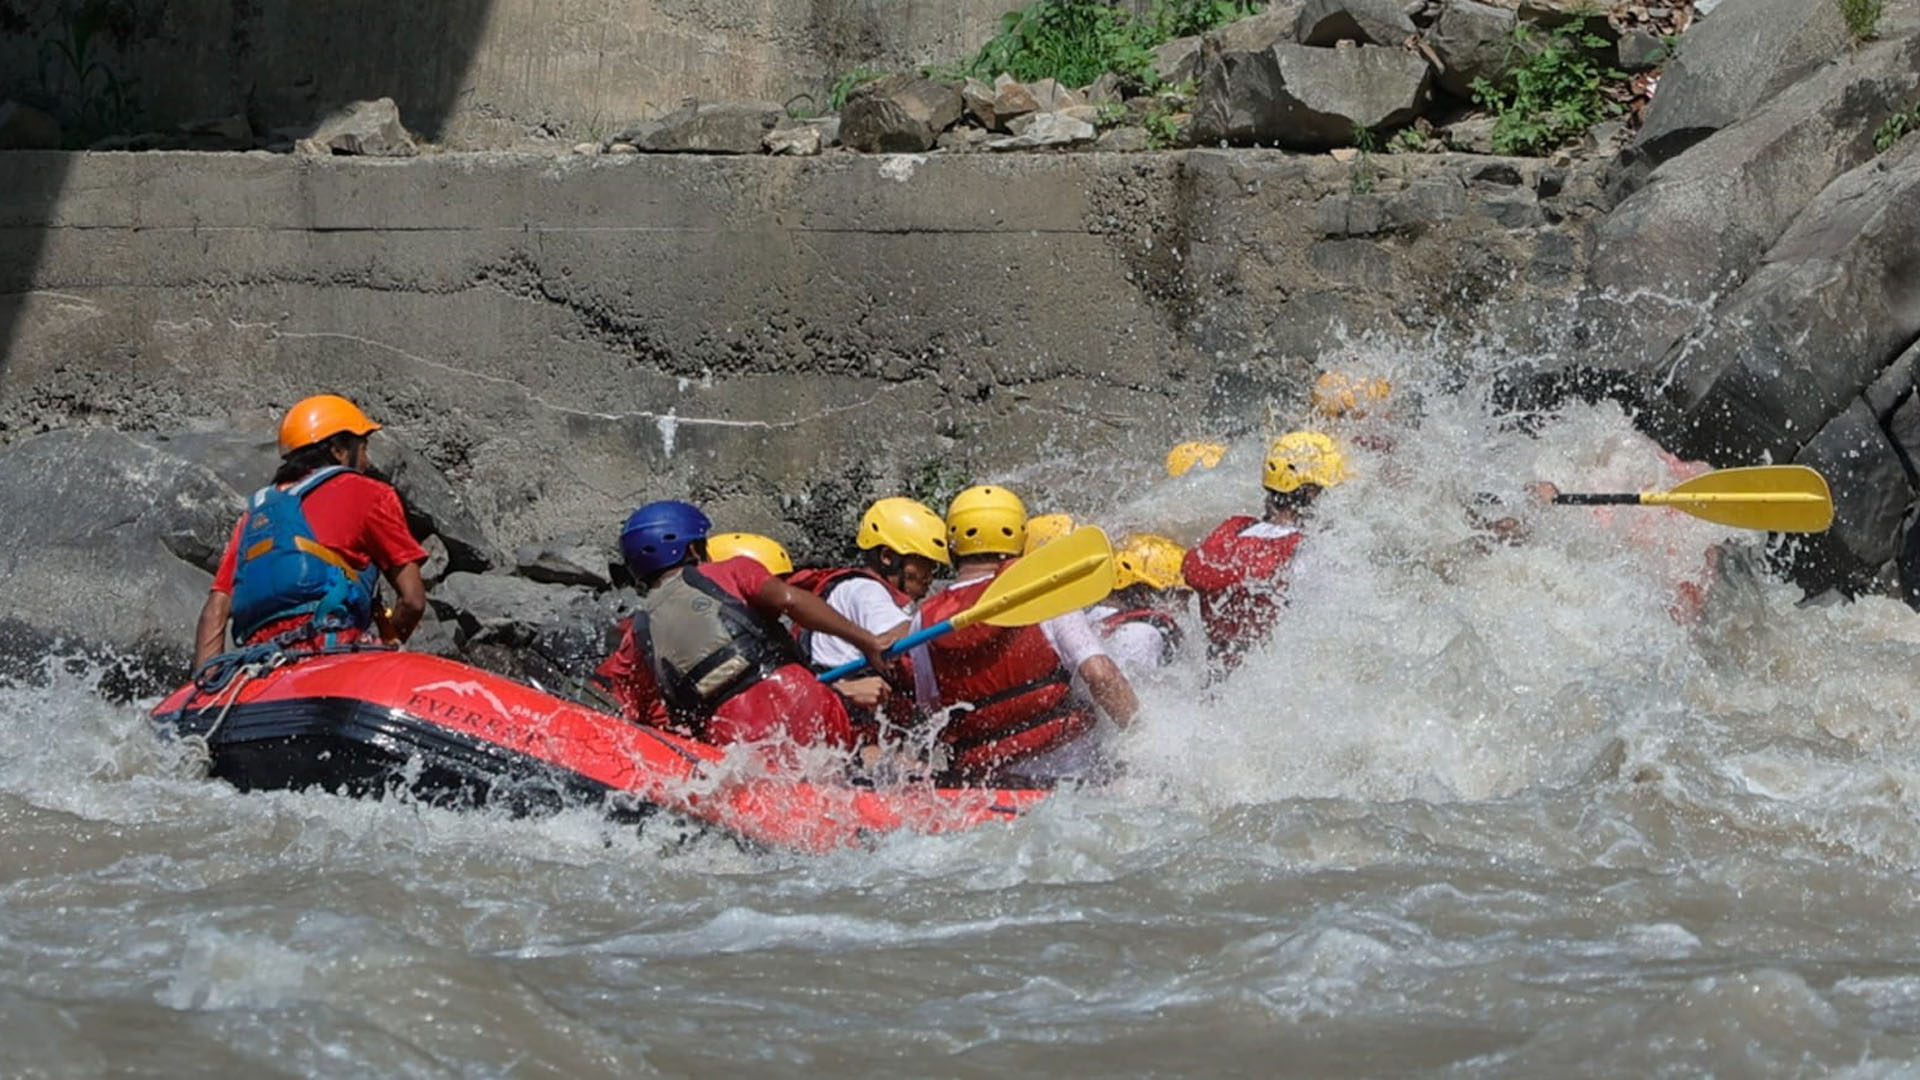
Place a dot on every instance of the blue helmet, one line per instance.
(656, 535)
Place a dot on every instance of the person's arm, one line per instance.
(1078, 645)
(625, 678)
(399, 557)
(410, 605)
(776, 597)
(1109, 688)
(210, 633)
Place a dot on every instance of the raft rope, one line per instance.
(225, 675)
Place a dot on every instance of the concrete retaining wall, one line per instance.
(566, 337)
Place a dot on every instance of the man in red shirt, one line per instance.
(705, 653)
(1239, 571)
(304, 561)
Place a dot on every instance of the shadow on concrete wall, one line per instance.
(106, 67)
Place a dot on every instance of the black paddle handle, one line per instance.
(1590, 499)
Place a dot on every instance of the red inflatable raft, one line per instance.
(362, 722)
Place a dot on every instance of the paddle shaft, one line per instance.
(1669, 498)
(905, 644)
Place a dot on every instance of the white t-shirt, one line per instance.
(1135, 646)
(867, 604)
(1267, 530)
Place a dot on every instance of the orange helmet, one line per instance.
(321, 417)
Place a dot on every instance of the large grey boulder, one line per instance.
(1374, 22)
(1704, 219)
(1474, 41)
(1728, 65)
(1902, 418)
(899, 114)
(552, 634)
(246, 460)
(567, 560)
(1308, 98)
(1871, 493)
(433, 507)
(713, 127)
(108, 541)
(1178, 60)
(1835, 301)
(1274, 26)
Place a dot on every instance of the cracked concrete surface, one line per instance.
(564, 338)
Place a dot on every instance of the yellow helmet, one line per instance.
(905, 526)
(764, 550)
(1338, 394)
(1150, 560)
(1303, 457)
(1184, 457)
(1047, 528)
(986, 519)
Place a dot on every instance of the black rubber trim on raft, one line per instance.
(352, 746)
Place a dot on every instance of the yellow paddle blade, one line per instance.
(1775, 498)
(1068, 574)
(1181, 459)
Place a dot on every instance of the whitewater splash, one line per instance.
(1476, 810)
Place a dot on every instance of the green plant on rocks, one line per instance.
(1896, 127)
(1366, 173)
(1407, 141)
(1076, 41)
(1163, 130)
(844, 86)
(1183, 18)
(1862, 17)
(1555, 91)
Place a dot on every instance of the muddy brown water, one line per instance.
(1476, 812)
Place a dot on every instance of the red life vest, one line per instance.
(1159, 620)
(1020, 693)
(1239, 580)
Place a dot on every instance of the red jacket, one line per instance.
(1240, 581)
(1011, 676)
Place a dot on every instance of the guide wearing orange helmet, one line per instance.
(302, 566)
(1239, 570)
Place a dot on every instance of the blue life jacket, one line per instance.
(282, 571)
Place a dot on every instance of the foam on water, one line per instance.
(1475, 810)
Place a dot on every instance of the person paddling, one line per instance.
(705, 653)
(1014, 716)
(1239, 570)
(303, 564)
(902, 544)
(1138, 622)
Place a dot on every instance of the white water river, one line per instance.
(1472, 814)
